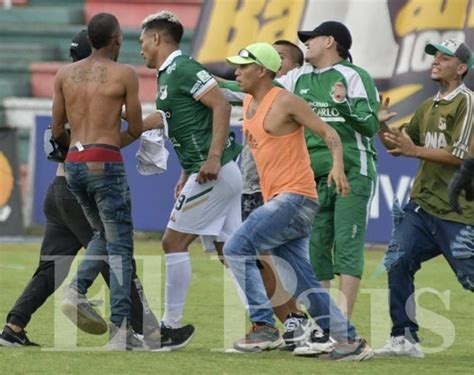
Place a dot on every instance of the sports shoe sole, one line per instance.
(313, 350)
(9, 344)
(93, 326)
(237, 351)
(268, 345)
(379, 354)
(364, 355)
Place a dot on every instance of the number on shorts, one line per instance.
(180, 202)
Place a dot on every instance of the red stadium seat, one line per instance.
(131, 15)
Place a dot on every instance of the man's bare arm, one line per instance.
(59, 113)
(214, 100)
(133, 109)
(302, 114)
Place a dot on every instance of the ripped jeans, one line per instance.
(417, 237)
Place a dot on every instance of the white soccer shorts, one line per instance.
(211, 210)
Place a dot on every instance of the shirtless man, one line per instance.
(89, 94)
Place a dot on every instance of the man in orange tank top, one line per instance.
(273, 126)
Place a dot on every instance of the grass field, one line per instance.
(446, 313)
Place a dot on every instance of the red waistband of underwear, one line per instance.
(93, 154)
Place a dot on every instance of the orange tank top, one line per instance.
(283, 162)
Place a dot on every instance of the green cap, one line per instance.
(262, 54)
(452, 47)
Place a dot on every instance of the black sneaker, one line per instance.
(12, 339)
(297, 328)
(175, 338)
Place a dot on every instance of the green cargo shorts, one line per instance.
(338, 238)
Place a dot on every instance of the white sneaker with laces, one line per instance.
(399, 346)
(297, 329)
(318, 343)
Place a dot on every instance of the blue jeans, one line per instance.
(417, 237)
(102, 190)
(283, 226)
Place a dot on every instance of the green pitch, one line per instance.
(446, 313)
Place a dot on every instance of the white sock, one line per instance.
(178, 280)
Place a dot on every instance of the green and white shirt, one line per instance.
(345, 97)
(182, 81)
(442, 123)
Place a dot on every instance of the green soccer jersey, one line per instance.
(182, 81)
(345, 97)
(442, 124)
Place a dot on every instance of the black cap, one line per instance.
(339, 31)
(80, 47)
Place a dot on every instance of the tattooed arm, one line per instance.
(301, 113)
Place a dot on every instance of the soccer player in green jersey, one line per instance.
(344, 96)
(438, 134)
(209, 189)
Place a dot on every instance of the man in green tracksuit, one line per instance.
(344, 96)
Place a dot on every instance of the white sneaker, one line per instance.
(79, 310)
(318, 343)
(297, 329)
(399, 346)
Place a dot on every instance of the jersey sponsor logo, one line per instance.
(318, 104)
(442, 124)
(203, 76)
(170, 69)
(338, 92)
(163, 92)
(435, 140)
(326, 113)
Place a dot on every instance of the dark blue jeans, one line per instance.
(417, 237)
(102, 190)
(283, 226)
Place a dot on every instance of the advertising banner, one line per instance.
(11, 217)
